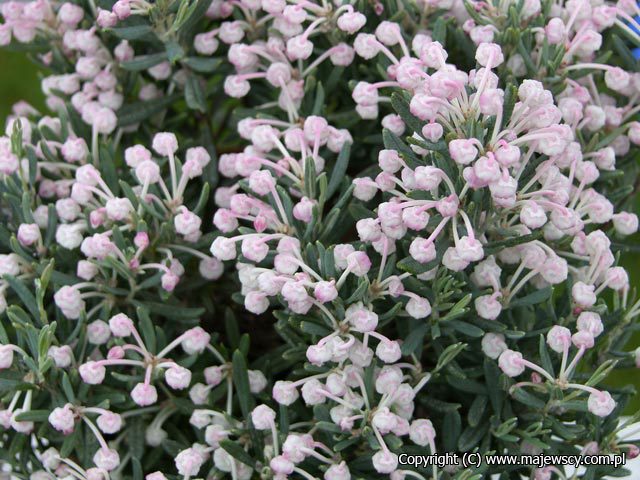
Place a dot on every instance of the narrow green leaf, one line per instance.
(241, 382)
(339, 170)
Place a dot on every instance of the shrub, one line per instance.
(217, 262)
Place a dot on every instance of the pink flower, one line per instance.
(144, 394)
(62, 419)
(510, 363)
(263, 417)
(601, 403)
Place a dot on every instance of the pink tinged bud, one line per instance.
(6, 356)
(92, 372)
(368, 229)
(388, 351)
(299, 48)
(188, 462)
(70, 14)
(61, 356)
(223, 248)
(384, 420)
(601, 404)
(225, 220)
(20, 427)
(358, 263)
(418, 307)
(121, 325)
(427, 177)
(284, 392)
(394, 123)
(214, 434)
(195, 340)
(555, 31)
(365, 94)
(135, 155)
(616, 78)
(488, 307)
(617, 278)
(452, 260)
(583, 295)
(364, 188)
(448, 207)
(340, 254)
(213, 375)
(470, 249)
(9, 162)
(366, 45)
(281, 465)
(165, 144)
(211, 268)
(554, 270)
(325, 291)
(187, 223)
(118, 209)
(106, 19)
(75, 150)
(141, 240)
(361, 319)
(109, 422)
(256, 302)
(98, 332)
(583, 339)
(422, 432)
(144, 394)
(261, 182)
(106, 459)
(257, 381)
(351, 22)
(511, 363)
(263, 417)
(122, 9)
(422, 250)
(389, 161)
(493, 345)
(625, 223)
(255, 249)
(425, 107)
(68, 209)
(487, 169)
(235, 86)
(385, 461)
(491, 101)
(415, 218)
(508, 155)
(432, 132)
(489, 55)
(205, 43)
(178, 377)
(116, 353)
(69, 301)
(28, 234)
(303, 210)
(148, 172)
(559, 338)
(533, 215)
(338, 471)
(319, 354)
(590, 322)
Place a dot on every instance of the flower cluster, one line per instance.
(216, 261)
